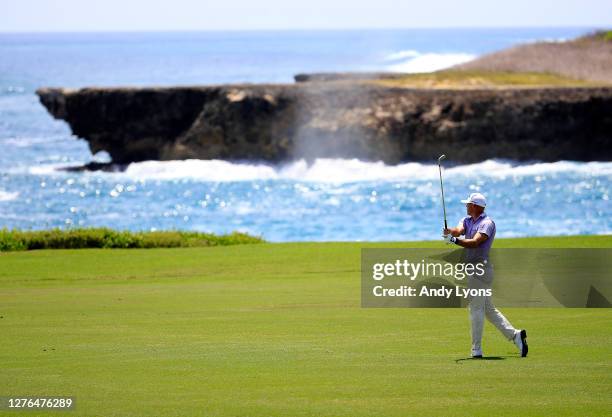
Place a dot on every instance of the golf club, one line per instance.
(442, 188)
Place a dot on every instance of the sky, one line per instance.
(189, 15)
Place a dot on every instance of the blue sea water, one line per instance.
(326, 200)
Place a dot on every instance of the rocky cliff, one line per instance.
(338, 119)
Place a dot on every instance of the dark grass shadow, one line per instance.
(485, 358)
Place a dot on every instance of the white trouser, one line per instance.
(481, 306)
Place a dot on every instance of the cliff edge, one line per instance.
(338, 119)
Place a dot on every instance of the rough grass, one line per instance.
(276, 330)
(12, 240)
(462, 79)
(586, 58)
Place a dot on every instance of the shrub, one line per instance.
(14, 240)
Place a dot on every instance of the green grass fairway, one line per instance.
(277, 330)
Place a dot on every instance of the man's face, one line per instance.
(473, 209)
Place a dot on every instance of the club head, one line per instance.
(441, 158)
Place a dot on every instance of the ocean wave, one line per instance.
(425, 62)
(54, 168)
(209, 170)
(26, 142)
(409, 53)
(8, 196)
(347, 170)
(326, 170)
(12, 89)
(319, 170)
(498, 168)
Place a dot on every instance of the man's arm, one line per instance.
(455, 231)
(474, 242)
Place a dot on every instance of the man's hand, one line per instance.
(475, 242)
(449, 239)
(453, 231)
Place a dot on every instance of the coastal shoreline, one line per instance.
(277, 123)
(522, 103)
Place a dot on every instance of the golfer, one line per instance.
(479, 232)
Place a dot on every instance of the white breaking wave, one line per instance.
(426, 62)
(320, 170)
(210, 170)
(25, 142)
(409, 53)
(42, 169)
(8, 196)
(496, 168)
(347, 170)
(326, 170)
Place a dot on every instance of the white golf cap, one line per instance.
(476, 198)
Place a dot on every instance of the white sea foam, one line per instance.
(210, 170)
(24, 142)
(348, 170)
(320, 170)
(8, 196)
(329, 170)
(496, 168)
(413, 61)
(409, 53)
(42, 169)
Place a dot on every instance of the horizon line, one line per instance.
(305, 29)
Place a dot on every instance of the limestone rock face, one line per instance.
(338, 119)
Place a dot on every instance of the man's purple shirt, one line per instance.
(483, 224)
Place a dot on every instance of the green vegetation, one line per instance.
(277, 330)
(11, 240)
(596, 36)
(461, 79)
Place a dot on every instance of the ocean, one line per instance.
(329, 199)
